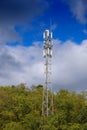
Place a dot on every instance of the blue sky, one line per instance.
(22, 23)
(66, 25)
(30, 25)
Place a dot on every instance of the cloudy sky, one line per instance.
(22, 23)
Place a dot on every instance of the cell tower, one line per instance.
(47, 106)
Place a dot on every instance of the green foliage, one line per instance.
(20, 109)
(13, 126)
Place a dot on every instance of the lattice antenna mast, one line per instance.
(47, 54)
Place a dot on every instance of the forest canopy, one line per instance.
(21, 109)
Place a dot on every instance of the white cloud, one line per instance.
(8, 34)
(79, 9)
(70, 63)
(20, 64)
(25, 64)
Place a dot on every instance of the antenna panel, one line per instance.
(50, 35)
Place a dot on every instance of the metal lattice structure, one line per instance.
(47, 106)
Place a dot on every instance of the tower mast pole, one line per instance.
(47, 54)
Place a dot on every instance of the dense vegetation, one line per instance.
(20, 109)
